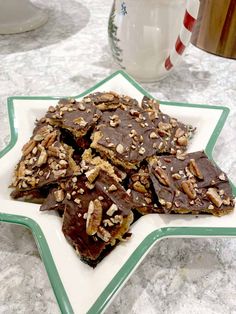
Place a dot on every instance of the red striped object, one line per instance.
(179, 46)
(188, 24)
(168, 64)
(189, 21)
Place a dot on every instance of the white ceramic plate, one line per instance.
(78, 287)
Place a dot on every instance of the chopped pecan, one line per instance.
(112, 209)
(120, 148)
(108, 222)
(42, 157)
(135, 177)
(162, 176)
(94, 217)
(180, 155)
(107, 97)
(222, 177)
(53, 151)
(103, 234)
(148, 200)
(21, 170)
(139, 187)
(214, 197)
(114, 120)
(179, 132)
(92, 174)
(59, 195)
(163, 126)
(118, 219)
(226, 201)
(189, 189)
(168, 205)
(193, 167)
(80, 121)
(141, 150)
(28, 147)
(42, 133)
(182, 141)
(81, 106)
(153, 135)
(112, 188)
(49, 139)
(176, 176)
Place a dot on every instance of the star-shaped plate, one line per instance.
(78, 287)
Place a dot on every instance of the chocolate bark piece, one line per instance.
(109, 101)
(142, 192)
(76, 117)
(45, 161)
(191, 184)
(103, 101)
(126, 137)
(175, 135)
(96, 215)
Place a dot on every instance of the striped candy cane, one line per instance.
(183, 39)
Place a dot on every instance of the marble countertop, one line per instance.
(64, 57)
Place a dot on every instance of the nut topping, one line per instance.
(28, 147)
(120, 149)
(94, 217)
(112, 188)
(112, 209)
(80, 121)
(21, 170)
(92, 174)
(162, 176)
(141, 150)
(59, 195)
(42, 157)
(182, 141)
(103, 234)
(176, 176)
(194, 169)
(222, 177)
(153, 135)
(49, 139)
(179, 133)
(189, 189)
(214, 197)
(139, 187)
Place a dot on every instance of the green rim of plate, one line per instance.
(144, 246)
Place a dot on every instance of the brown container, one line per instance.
(215, 29)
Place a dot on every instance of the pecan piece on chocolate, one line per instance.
(162, 176)
(193, 167)
(103, 234)
(59, 195)
(182, 141)
(49, 139)
(21, 170)
(28, 147)
(189, 189)
(92, 174)
(179, 133)
(113, 208)
(139, 187)
(94, 217)
(214, 197)
(42, 157)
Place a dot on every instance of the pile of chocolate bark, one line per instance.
(105, 160)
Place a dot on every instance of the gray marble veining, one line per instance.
(64, 57)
